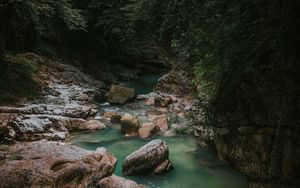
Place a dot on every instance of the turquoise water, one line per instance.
(143, 84)
(194, 166)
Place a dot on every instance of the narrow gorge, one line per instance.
(134, 94)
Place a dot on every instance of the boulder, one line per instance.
(161, 121)
(54, 164)
(118, 182)
(116, 118)
(151, 158)
(147, 130)
(92, 125)
(120, 94)
(129, 125)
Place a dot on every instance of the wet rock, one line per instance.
(147, 130)
(116, 118)
(151, 158)
(108, 115)
(53, 164)
(205, 135)
(92, 125)
(120, 94)
(161, 121)
(129, 125)
(118, 182)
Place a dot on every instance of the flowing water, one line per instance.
(194, 166)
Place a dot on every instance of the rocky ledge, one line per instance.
(66, 101)
(53, 164)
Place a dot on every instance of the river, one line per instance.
(194, 166)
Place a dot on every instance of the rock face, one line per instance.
(118, 182)
(268, 156)
(147, 130)
(177, 81)
(51, 127)
(53, 164)
(129, 125)
(120, 94)
(151, 158)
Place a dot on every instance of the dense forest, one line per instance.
(243, 56)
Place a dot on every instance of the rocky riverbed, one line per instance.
(36, 154)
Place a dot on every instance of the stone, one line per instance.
(118, 182)
(92, 125)
(116, 118)
(161, 121)
(54, 164)
(150, 101)
(129, 125)
(147, 130)
(120, 94)
(108, 115)
(150, 159)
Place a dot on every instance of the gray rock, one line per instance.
(151, 158)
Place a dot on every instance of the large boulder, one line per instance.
(161, 121)
(53, 164)
(129, 125)
(118, 182)
(147, 130)
(151, 158)
(120, 94)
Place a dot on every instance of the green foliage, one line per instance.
(246, 55)
(24, 23)
(17, 80)
(128, 27)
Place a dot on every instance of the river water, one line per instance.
(194, 166)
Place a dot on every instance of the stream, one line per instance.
(194, 166)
